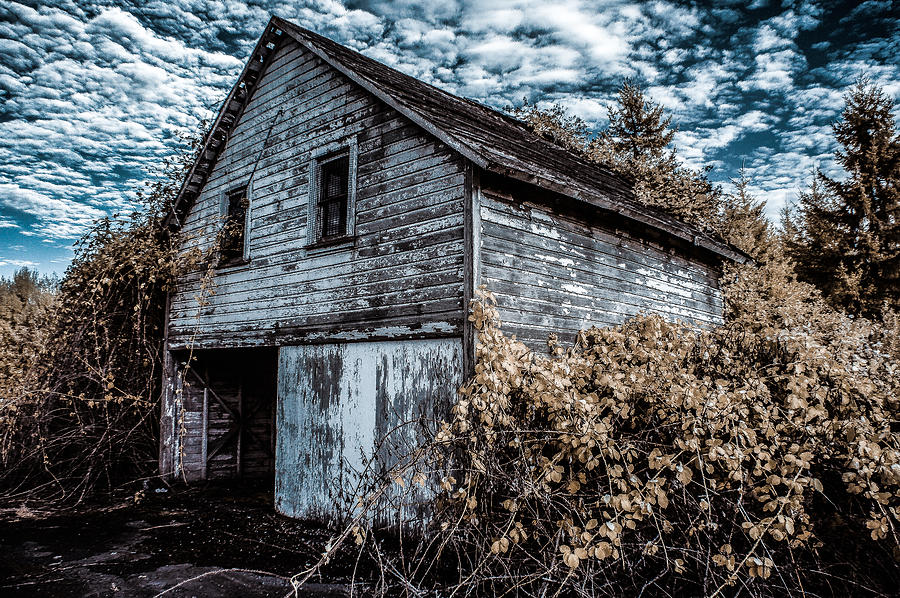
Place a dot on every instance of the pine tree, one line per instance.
(744, 223)
(637, 145)
(638, 128)
(846, 233)
(816, 245)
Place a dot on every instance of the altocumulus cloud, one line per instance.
(92, 94)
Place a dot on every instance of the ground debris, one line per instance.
(214, 540)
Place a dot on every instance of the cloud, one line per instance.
(93, 95)
(57, 217)
(17, 263)
(96, 102)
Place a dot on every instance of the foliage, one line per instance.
(82, 414)
(638, 128)
(555, 124)
(743, 222)
(845, 235)
(655, 458)
(25, 303)
(636, 145)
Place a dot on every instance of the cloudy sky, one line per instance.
(93, 92)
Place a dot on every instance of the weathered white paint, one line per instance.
(371, 329)
(556, 272)
(403, 269)
(338, 402)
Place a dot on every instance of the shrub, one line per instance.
(655, 458)
(80, 415)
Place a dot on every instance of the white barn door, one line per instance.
(337, 402)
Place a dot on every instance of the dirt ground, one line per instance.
(147, 548)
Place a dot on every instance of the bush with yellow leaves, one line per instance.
(657, 459)
(79, 417)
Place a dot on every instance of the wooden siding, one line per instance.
(340, 403)
(403, 275)
(554, 272)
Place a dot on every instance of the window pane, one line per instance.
(233, 235)
(336, 184)
(335, 178)
(332, 215)
(332, 210)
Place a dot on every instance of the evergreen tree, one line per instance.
(845, 234)
(743, 221)
(638, 128)
(816, 245)
(636, 144)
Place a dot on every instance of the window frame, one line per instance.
(224, 205)
(346, 148)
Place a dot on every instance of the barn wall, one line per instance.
(403, 276)
(554, 272)
(340, 401)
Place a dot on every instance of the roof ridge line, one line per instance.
(486, 137)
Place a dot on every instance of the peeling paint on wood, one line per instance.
(408, 250)
(372, 332)
(340, 404)
(557, 273)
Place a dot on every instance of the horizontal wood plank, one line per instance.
(556, 272)
(404, 271)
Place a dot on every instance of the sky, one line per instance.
(94, 93)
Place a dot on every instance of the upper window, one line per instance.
(334, 191)
(234, 233)
(332, 194)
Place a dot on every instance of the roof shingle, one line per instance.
(494, 141)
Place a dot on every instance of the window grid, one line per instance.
(234, 232)
(331, 212)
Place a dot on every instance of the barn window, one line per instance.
(334, 190)
(234, 232)
(332, 186)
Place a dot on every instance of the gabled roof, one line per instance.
(489, 139)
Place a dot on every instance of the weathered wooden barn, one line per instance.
(353, 211)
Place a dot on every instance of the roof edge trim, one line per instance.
(697, 239)
(461, 148)
(278, 26)
(173, 212)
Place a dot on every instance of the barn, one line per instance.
(349, 212)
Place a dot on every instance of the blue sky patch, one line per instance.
(94, 93)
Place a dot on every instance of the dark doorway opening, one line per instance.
(227, 424)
